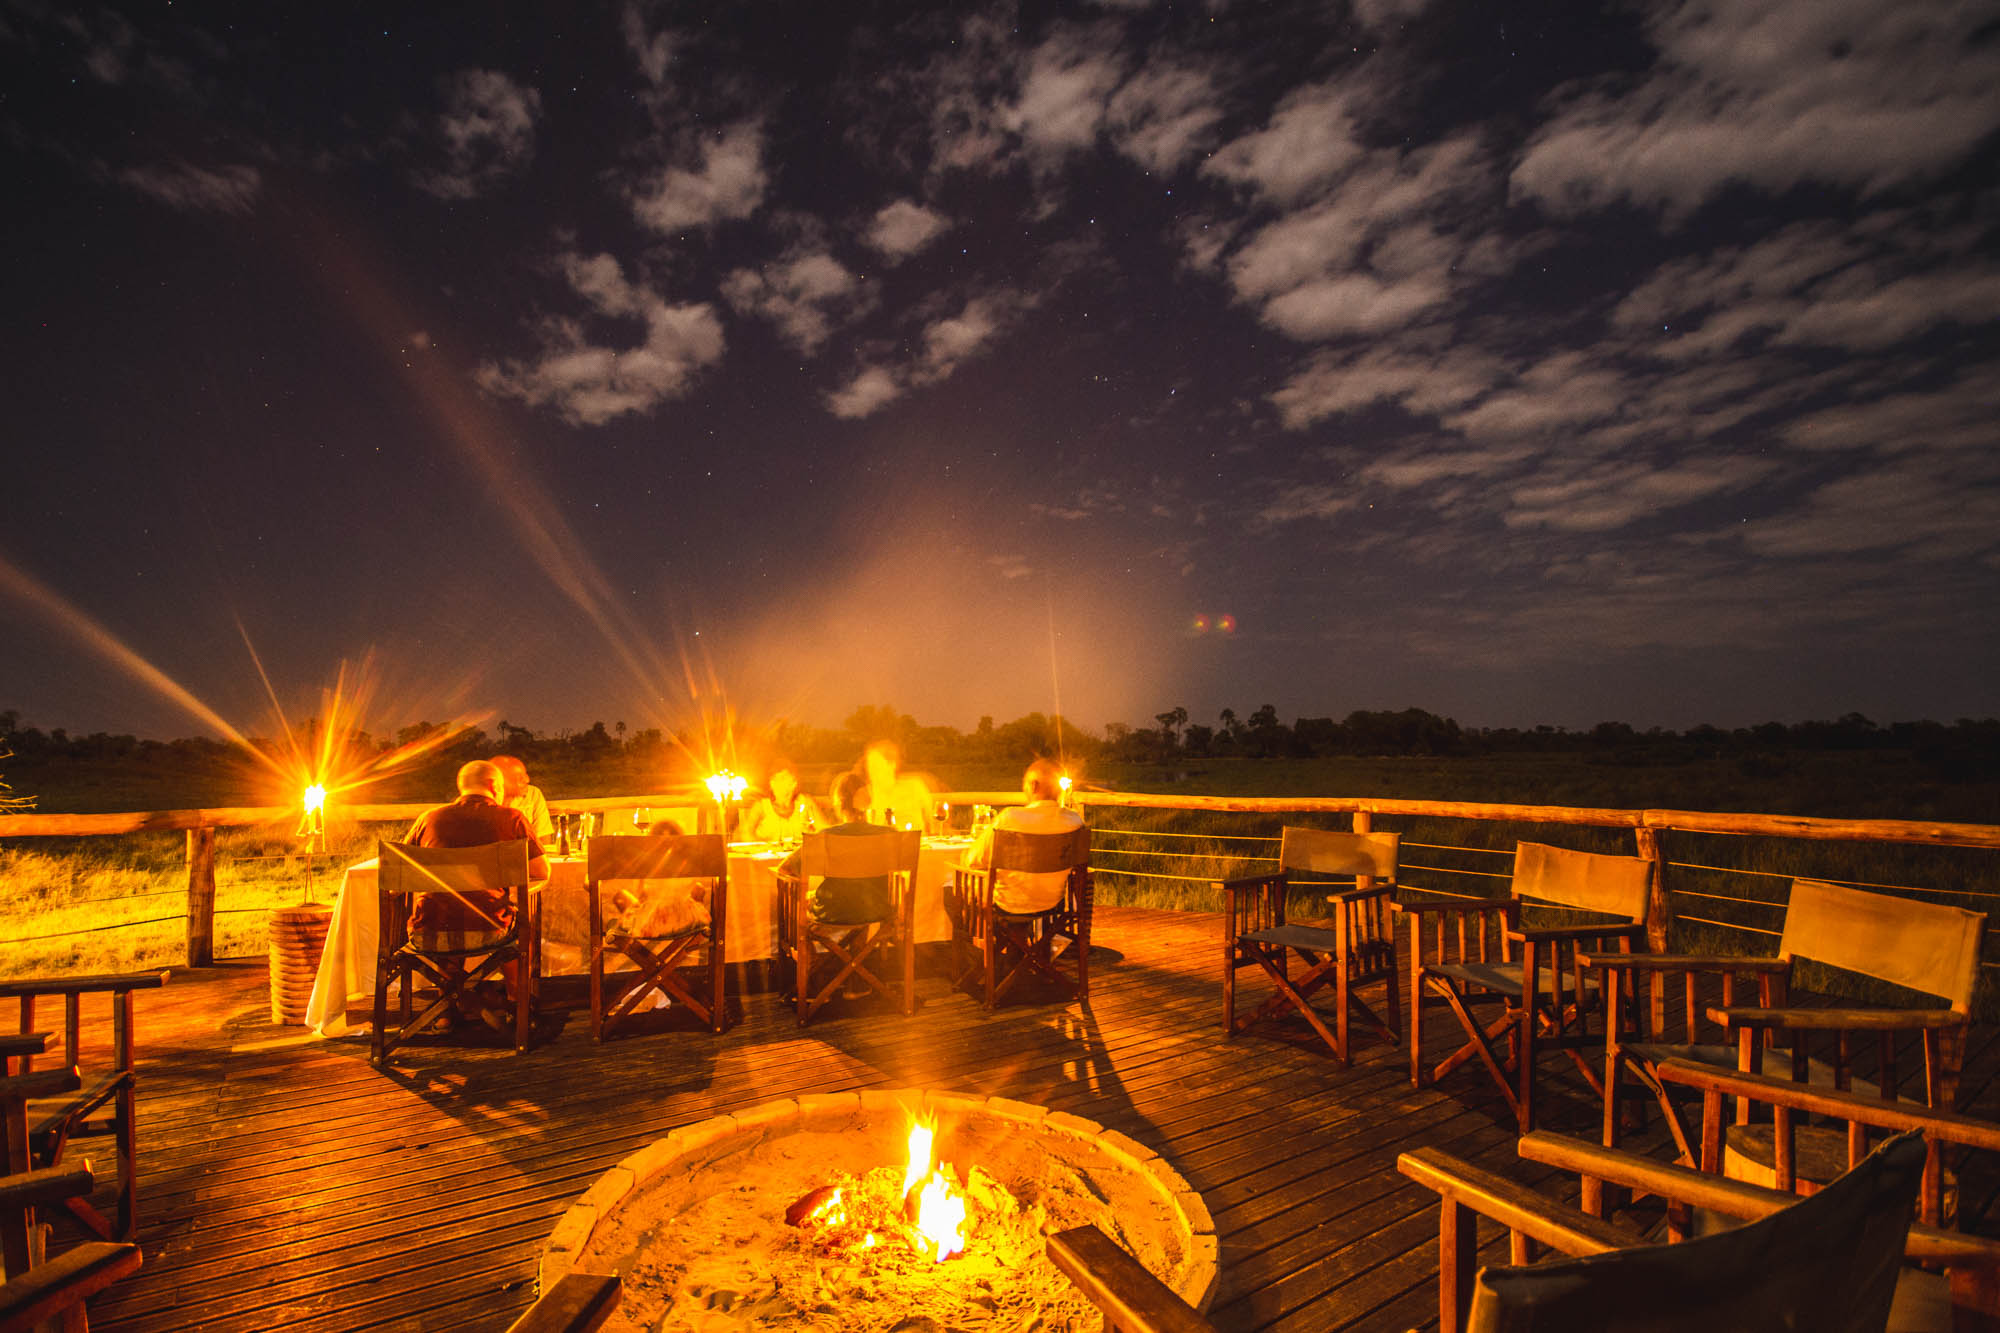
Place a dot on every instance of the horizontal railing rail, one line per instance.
(1121, 851)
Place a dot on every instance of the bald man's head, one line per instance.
(481, 777)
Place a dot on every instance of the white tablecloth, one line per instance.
(346, 975)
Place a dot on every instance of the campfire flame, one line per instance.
(938, 1227)
(929, 1211)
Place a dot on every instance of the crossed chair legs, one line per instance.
(850, 948)
(1005, 948)
(658, 960)
(1326, 966)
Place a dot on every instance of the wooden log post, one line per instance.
(201, 897)
(1658, 918)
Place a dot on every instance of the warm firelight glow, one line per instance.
(938, 1223)
(726, 786)
(315, 799)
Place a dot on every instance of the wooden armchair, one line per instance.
(829, 955)
(104, 1102)
(1924, 947)
(1828, 1262)
(39, 1290)
(455, 961)
(1359, 948)
(656, 940)
(1544, 998)
(998, 948)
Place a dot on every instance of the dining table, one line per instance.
(345, 980)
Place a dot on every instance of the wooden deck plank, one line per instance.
(289, 1185)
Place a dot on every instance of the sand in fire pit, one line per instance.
(704, 1246)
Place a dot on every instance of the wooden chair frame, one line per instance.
(577, 1303)
(39, 1290)
(658, 958)
(403, 871)
(892, 854)
(1534, 1220)
(104, 1104)
(996, 949)
(1358, 950)
(1545, 999)
(1124, 1290)
(1920, 946)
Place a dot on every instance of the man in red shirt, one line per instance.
(476, 818)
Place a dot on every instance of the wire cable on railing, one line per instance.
(1451, 870)
(1454, 847)
(1725, 898)
(94, 930)
(1160, 833)
(1731, 925)
(1191, 856)
(1850, 883)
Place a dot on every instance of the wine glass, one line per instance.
(641, 817)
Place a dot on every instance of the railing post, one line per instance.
(201, 897)
(1657, 920)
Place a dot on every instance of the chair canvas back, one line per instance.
(1926, 947)
(693, 856)
(407, 868)
(1330, 852)
(1586, 881)
(1041, 853)
(860, 855)
(1828, 1262)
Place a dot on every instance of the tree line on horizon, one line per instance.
(1965, 749)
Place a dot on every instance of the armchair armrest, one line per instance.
(1514, 1206)
(1546, 934)
(1419, 906)
(64, 1282)
(1356, 895)
(36, 987)
(49, 1184)
(46, 1083)
(1245, 883)
(1682, 962)
(1835, 1020)
(1950, 1126)
(1129, 1296)
(577, 1303)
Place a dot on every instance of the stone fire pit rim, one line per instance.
(689, 1144)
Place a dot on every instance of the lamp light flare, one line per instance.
(726, 786)
(315, 799)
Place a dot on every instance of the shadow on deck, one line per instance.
(287, 1184)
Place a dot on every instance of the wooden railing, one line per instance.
(1647, 827)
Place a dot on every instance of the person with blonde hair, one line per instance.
(524, 796)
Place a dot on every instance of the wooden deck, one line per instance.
(287, 1184)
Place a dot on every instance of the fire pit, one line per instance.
(805, 1214)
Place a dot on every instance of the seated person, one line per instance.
(460, 920)
(786, 815)
(651, 909)
(894, 798)
(843, 901)
(524, 796)
(1019, 892)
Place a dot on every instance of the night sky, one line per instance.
(1531, 364)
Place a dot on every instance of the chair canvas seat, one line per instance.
(452, 960)
(1507, 979)
(656, 960)
(1357, 949)
(829, 957)
(997, 949)
(1605, 901)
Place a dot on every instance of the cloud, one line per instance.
(591, 383)
(1332, 383)
(1309, 141)
(1011, 566)
(721, 178)
(1064, 92)
(805, 294)
(904, 228)
(1599, 496)
(487, 130)
(652, 51)
(872, 388)
(1847, 93)
(1311, 500)
(1956, 418)
(192, 189)
(1927, 507)
(1163, 115)
(1812, 285)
